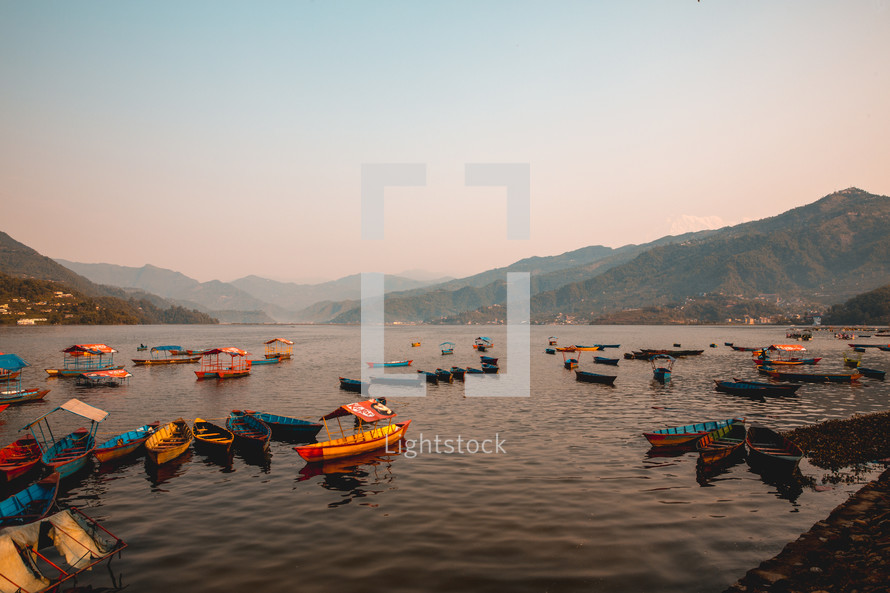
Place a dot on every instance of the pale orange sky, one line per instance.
(224, 139)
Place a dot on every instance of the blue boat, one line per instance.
(490, 368)
(549, 351)
(31, 504)
(444, 375)
(70, 453)
(777, 388)
(353, 385)
(447, 347)
(273, 359)
(472, 371)
(488, 360)
(483, 343)
(604, 360)
(124, 444)
(588, 377)
(287, 428)
(249, 431)
(570, 363)
(662, 365)
(458, 373)
(430, 377)
(872, 373)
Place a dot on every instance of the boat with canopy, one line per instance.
(11, 390)
(168, 355)
(483, 343)
(788, 354)
(69, 453)
(662, 367)
(369, 435)
(280, 348)
(447, 348)
(113, 378)
(224, 363)
(85, 358)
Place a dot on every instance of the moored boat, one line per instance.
(722, 443)
(768, 449)
(872, 373)
(365, 439)
(11, 389)
(490, 368)
(588, 377)
(113, 378)
(280, 348)
(458, 373)
(169, 441)
(353, 385)
(68, 454)
(814, 377)
(447, 348)
(124, 444)
(776, 388)
(287, 428)
(549, 351)
(391, 363)
(744, 389)
(212, 438)
(662, 367)
(488, 360)
(553, 340)
(31, 504)
(214, 366)
(249, 431)
(430, 377)
(263, 361)
(84, 358)
(604, 360)
(19, 458)
(685, 435)
(444, 375)
(170, 355)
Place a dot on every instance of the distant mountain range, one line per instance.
(817, 254)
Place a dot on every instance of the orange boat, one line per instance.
(365, 439)
(280, 348)
(214, 368)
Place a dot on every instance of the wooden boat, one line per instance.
(171, 355)
(569, 363)
(353, 385)
(262, 361)
(768, 449)
(549, 351)
(391, 363)
(169, 441)
(553, 340)
(858, 345)
(287, 428)
(686, 435)
(662, 366)
(19, 457)
(604, 360)
(22, 395)
(674, 353)
(852, 361)
(114, 378)
(488, 360)
(212, 437)
(722, 443)
(777, 388)
(727, 343)
(415, 344)
(78, 544)
(85, 358)
(124, 444)
(490, 368)
(458, 373)
(872, 373)
(444, 375)
(31, 504)
(280, 348)
(430, 377)
(70, 453)
(249, 430)
(235, 366)
(447, 348)
(482, 343)
(367, 438)
(858, 349)
(141, 348)
(588, 377)
(604, 346)
(814, 377)
(743, 389)
(472, 371)
(744, 348)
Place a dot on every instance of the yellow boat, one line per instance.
(169, 442)
(379, 437)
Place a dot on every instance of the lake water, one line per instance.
(572, 502)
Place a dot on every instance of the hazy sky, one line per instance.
(222, 139)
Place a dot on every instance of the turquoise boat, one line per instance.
(287, 428)
(31, 504)
(124, 444)
(70, 453)
(686, 435)
(249, 431)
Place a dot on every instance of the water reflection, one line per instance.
(355, 476)
(160, 474)
(258, 458)
(789, 486)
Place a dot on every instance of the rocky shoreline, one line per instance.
(848, 552)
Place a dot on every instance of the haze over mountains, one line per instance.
(824, 253)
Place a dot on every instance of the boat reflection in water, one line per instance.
(160, 474)
(359, 476)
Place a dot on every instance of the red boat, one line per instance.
(18, 458)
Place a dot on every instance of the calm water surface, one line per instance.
(575, 502)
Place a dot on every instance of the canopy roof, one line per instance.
(231, 351)
(165, 348)
(483, 339)
(90, 349)
(282, 340)
(114, 373)
(370, 411)
(12, 362)
(78, 408)
(788, 347)
(663, 357)
(447, 344)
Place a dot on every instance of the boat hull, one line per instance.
(768, 450)
(721, 444)
(79, 372)
(26, 395)
(681, 436)
(124, 444)
(19, 458)
(157, 361)
(587, 377)
(371, 440)
(70, 454)
(221, 374)
(169, 442)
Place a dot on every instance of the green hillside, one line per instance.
(870, 308)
